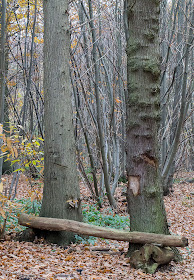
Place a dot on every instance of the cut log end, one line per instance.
(185, 241)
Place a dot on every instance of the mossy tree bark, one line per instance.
(61, 196)
(144, 194)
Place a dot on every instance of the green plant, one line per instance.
(25, 154)
(88, 170)
(13, 210)
(98, 218)
(89, 173)
(123, 179)
(29, 206)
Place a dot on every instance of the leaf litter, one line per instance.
(105, 259)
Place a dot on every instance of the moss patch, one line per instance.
(132, 46)
(152, 66)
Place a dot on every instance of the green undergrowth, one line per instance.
(16, 207)
(178, 180)
(104, 219)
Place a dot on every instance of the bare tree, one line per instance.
(2, 66)
(176, 89)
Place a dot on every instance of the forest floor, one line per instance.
(105, 259)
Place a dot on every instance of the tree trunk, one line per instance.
(61, 195)
(92, 162)
(144, 194)
(7, 168)
(108, 233)
(165, 54)
(98, 109)
(168, 180)
(184, 102)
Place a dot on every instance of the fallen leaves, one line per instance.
(68, 258)
(105, 260)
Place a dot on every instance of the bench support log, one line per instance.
(149, 257)
(53, 224)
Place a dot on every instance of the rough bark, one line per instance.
(144, 194)
(108, 233)
(61, 196)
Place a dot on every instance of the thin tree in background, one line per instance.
(98, 109)
(179, 92)
(2, 66)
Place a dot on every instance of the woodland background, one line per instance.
(22, 129)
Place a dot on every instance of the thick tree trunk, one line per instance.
(144, 194)
(108, 233)
(61, 196)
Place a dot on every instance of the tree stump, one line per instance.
(149, 257)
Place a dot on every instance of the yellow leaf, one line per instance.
(41, 171)
(9, 143)
(35, 39)
(3, 148)
(33, 197)
(1, 128)
(11, 83)
(118, 100)
(141, 273)
(20, 16)
(68, 258)
(1, 187)
(2, 212)
(37, 143)
(15, 152)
